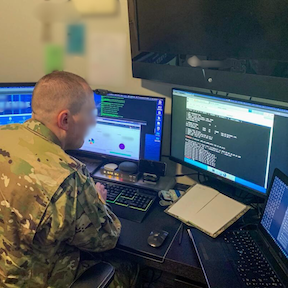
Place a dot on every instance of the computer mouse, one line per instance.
(157, 238)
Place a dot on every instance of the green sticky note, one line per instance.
(76, 39)
(54, 58)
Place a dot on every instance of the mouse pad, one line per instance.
(134, 235)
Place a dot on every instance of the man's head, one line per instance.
(64, 102)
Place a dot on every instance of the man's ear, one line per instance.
(63, 119)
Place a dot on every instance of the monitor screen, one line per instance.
(244, 30)
(233, 140)
(275, 216)
(15, 103)
(128, 126)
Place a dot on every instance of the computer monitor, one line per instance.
(15, 102)
(274, 222)
(235, 141)
(128, 127)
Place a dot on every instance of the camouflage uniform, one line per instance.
(49, 211)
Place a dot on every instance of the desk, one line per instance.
(181, 260)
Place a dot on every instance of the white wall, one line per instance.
(21, 54)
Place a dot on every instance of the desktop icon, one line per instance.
(91, 141)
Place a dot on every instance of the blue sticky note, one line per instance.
(76, 39)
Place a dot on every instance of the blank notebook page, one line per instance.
(217, 213)
(206, 208)
(192, 202)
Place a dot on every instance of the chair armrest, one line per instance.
(98, 276)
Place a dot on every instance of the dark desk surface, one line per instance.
(181, 260)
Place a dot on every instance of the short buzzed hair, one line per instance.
(59, 90)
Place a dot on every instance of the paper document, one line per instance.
(98, 7)
(107, 59)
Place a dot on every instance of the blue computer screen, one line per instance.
(275, 217)
(128, 126)
(15, 104)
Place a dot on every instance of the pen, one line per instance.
(181, 233)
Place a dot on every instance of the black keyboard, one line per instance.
(126, 200)
(252, 265)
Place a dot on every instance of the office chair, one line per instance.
(98, 276)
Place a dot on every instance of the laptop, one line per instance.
(258, 258)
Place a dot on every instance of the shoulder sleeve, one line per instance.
(76, 216)
(58, 222)
(97, 229)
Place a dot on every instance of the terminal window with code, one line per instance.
(239, 141)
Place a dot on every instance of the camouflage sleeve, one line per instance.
(77, 216)
(97, 228)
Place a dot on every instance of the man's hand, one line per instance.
(102, 192)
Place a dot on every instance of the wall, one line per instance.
(21, 55)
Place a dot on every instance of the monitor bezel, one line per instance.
(17, 84)
(205, 172)
(90, 154)
(281, 258)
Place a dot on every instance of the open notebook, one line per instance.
(207, 209)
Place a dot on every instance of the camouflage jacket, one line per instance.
(49, 211)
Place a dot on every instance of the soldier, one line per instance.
(50, 208)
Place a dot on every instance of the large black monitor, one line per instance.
(128, 127)
(235, 141)
(235, 46)
(15, 102)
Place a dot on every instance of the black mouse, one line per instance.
(157, 238)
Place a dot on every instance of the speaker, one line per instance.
(128, 167)
(152, 167)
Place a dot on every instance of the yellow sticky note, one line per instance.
(96, 6)
(54, 58)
